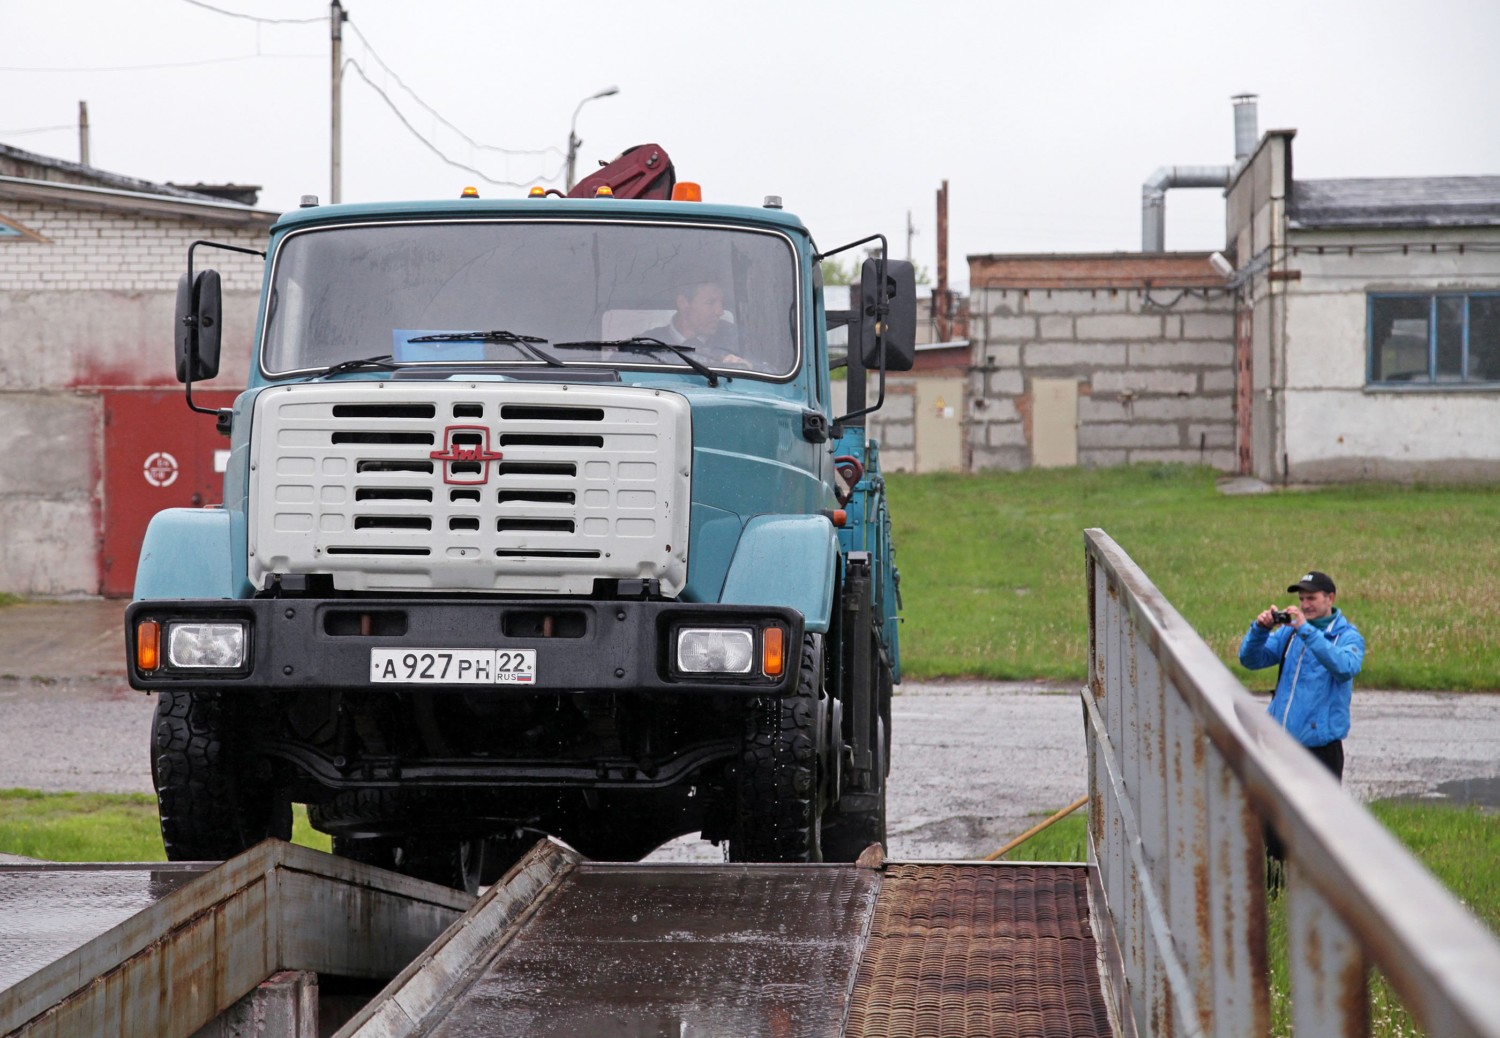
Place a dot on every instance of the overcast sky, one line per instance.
(1044, 117)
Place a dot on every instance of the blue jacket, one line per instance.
(1317, 679)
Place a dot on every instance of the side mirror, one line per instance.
(200, 305)
(899, 293)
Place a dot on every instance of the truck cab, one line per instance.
(538, 519)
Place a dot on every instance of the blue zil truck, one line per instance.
(539, 517)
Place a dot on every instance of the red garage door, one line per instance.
(157, 454)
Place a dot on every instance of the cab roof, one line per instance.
(575, 208)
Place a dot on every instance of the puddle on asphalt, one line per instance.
(1481, 792)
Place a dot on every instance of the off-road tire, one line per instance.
(214, 796)
(778, 816)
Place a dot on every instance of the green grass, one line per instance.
(992, 571)
(1459, 844)
(98, 826)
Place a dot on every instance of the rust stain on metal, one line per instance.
(993, 950)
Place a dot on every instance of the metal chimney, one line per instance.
(1246, 126)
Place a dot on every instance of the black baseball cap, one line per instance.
(1313, 580)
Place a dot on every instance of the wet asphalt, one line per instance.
(972, 764)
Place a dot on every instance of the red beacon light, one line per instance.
(469, 192)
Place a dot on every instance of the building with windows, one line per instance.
(1350, 330)
(1368, 323)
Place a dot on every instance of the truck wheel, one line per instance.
(778, 817)
(213, 804)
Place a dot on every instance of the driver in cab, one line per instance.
(699, 325)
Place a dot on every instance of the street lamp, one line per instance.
(573, 141)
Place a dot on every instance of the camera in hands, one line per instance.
(1279, 616)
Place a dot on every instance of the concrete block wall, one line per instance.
(1154, 367)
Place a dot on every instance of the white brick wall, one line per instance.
(108, 251)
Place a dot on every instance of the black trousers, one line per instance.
(1332, 758)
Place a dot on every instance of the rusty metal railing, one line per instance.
(1186, 772)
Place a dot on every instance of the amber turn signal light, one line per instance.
(148, 645)
(773, 651)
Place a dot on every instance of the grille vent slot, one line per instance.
(380, 465)
(541, 497)
(536, 468)
(384, 411)
(505, 524)
(393, 494)
(538, 413)
(549, 440)
(388, 438)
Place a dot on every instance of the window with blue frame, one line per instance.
(1434, 339)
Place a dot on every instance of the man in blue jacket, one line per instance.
(1319, 652)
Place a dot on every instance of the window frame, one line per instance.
(1430, 382)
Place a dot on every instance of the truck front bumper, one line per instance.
(578, 645)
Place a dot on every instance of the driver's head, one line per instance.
(699, 309)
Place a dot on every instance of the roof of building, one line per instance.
(30, 165)
(1396, 202)
(27, 175)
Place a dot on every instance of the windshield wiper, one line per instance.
(383, 361)
(646, 344)
(524, 343)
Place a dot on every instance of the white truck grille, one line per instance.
(464, 486)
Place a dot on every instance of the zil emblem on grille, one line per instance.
(466, 455)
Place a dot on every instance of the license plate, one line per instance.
(453, 666)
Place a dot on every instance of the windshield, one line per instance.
(469, 291)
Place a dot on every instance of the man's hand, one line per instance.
(1297, 618)
(1265, 619)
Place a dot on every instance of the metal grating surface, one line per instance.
(980, 950)
(47, 911)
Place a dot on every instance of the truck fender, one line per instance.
(786, 560)
(187, 553)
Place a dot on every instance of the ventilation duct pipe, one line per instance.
(1154, 190)
(1246, 126)
(1154, 198)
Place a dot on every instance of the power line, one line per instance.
(435, 113)
(148, 68)
(351, 63)
(35, 129)
(255, 18)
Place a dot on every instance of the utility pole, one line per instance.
(83, 133)
(573, 141)
(337, 17)
(940, 301)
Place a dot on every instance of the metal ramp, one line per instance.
(568, 947)
(158, 951)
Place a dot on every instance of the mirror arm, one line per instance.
(192, 359)
(881, 309)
